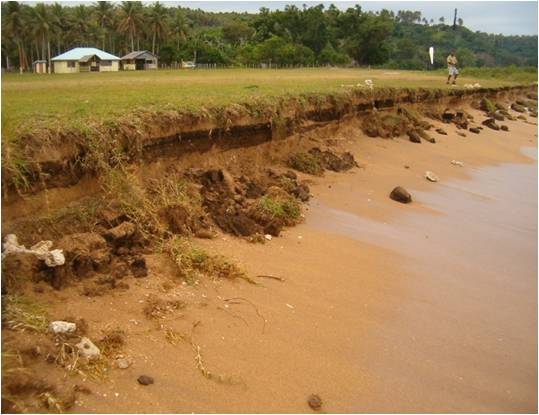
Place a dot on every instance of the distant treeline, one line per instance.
(293, 36)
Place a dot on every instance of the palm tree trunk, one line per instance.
(21, 58)
(49, 55)
(153, 43)
(43, 46)
(132, 41)
(24, 58)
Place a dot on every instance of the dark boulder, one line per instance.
(399, 194)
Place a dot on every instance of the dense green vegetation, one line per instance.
(293, 36)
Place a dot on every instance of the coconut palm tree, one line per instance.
(14, 24)
(179, 27)
(59, 25)
(158, 22)
(41, 24)
(104, 15)
(131, 19)
(80, 24)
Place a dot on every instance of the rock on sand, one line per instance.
(399, 194)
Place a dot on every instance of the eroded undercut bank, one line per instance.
(113, 196)
(161, 175)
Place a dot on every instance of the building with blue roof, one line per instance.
(85, 60)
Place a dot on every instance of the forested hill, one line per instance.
(293, 36)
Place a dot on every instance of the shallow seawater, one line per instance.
(465, 335)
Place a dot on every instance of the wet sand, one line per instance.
(463, 336)
(428, 307)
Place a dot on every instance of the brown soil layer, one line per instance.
(170, 311)
(47, 159)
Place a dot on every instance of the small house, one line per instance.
(40, 66)
(139, 61)
(85, 60)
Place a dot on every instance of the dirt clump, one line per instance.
(414, 136)
(138, 267)
(387, 125)
(518, 108)
(157, 308)
(332, 161)
(20, 268)
(491, 123)
(231, 201)
(85, 254)
(25, 391)
(275, 210)
(316, 160)
(441, 131)
(306, 163)
(122, 234)
(180, 221)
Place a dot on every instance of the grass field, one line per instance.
(30, 101)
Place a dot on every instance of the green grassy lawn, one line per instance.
(30, 101)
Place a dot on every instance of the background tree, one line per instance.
(298, 35)
(41, 21)
(158, 22)
(104, 16)
(13, 27)
(131, 20)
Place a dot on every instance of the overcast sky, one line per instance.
(507, 17)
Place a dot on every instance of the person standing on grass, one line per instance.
(452, 67)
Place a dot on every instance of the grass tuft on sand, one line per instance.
(306, 163)
(20, 313)
(194, 262)
(287, 209)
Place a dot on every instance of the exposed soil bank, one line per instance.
(366, 325)
(46, 159)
